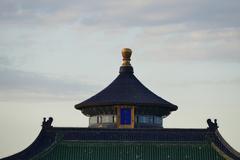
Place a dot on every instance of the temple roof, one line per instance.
(126, 89)
(91, 143)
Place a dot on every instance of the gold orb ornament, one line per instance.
(126, 54)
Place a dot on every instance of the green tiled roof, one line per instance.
(127, 144)
(95, 150)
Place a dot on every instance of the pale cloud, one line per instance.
(122, 13)
(233, 82)
(4, 61)
(17, 85)
(172, 30)
(169, 44)
(62, 36)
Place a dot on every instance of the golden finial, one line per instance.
(126, 54)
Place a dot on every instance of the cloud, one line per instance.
(122, 13)
(16, 84)
(168, 30)
(176, 43)
(235, 82)
(4, 61)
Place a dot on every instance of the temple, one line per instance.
(126, 123)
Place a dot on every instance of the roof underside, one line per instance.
(126, 89)
(106, 144)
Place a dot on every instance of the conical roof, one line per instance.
(126, 89)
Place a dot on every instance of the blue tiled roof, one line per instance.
(126, 89)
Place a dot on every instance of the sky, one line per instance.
(57, 53)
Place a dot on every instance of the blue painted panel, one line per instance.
(125, 116)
